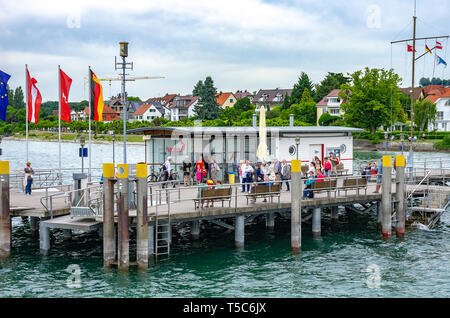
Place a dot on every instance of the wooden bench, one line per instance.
(340, 169)
(263, 190)
(354, 183)
(324, 186)
(214, 195)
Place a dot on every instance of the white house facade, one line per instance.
(442, 122)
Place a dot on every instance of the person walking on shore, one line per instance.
(28, 180)
(277, 168)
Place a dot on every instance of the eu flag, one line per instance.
(4, 78)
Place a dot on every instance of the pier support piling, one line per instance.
(270, 221)
(334, 213)
(316, 222)
(5, 218)
(141, 217)
(34, 226)
(44, 239)
(109, 237)
(195, 229)
(386, 197)
(67, 234)
(123, 235)
(296, 210)
(400, 195)
(239, 231)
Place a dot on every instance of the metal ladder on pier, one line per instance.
(163, 231)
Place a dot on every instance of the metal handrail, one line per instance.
(420, 183)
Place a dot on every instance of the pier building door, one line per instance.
(316, 150)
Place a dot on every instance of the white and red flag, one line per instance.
(34, 99)
(65, 82)
(438, 46)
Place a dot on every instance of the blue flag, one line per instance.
(439, 60)
(4, 78)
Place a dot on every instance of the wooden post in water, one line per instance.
(386, 197)
(141, 217)
(109, 241)
(123, 258)
(270, 221)
(5, 219)
(296, 209)
(400, 195)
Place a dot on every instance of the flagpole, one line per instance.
(26, 108)
(59, 118)
(90, 102)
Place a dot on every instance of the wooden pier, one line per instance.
(161, 208)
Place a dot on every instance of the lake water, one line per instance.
(349, 260)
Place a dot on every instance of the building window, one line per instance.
(440, 116)
(152, 110)
(447, 103)
(334, 111)
(231, 100)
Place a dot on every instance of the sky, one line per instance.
(241, 44)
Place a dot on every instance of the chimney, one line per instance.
(291, 120)
(254, 121)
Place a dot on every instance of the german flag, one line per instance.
(427, 49)
(96, 98)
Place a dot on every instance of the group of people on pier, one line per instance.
(204, 174)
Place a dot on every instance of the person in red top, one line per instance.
(319, 177)
(199, 168)
(327, 167)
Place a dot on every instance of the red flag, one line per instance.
(438, 46)
(34, 99)
(410, 48)
(65, 82)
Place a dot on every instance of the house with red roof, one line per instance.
(241, 94)
(330, 104)
(270, 98)
(108, 114)
(441, 97)
(182, 107)
(226, 100)
(164, 100)
(149, 111)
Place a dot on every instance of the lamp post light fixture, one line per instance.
(297, 142)
(124, 66)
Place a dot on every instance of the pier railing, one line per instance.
(165, 198)
(43, 178)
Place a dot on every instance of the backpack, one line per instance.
(163, 167)
(249, 176)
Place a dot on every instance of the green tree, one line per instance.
(306, 97)
(198, 88)
(370, 96)
(326, 119)
(299, 87)
(134, 99)
(19, 100)
(243, 104)
(207, 107)
(330, 82)
(286, 102)
(304, 112)
(424, 113)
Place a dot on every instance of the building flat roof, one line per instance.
(243, 130)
